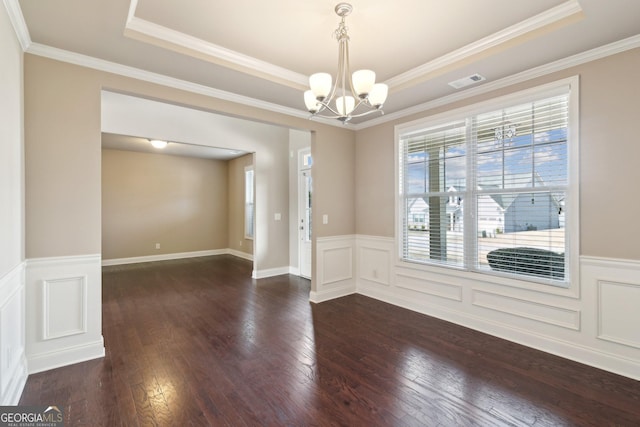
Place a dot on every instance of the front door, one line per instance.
(304, 216)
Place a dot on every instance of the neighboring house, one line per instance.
(497, 213)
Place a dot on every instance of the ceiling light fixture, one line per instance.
(157, 143)
(365, 92)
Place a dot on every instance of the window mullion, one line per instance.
(470, 203)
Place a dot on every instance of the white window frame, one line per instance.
(247, 235)
(572, 236)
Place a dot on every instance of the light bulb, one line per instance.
(310, 101)
(378, 94)
(320, 84)
(158, 143)
(345, 105)
(363, 81)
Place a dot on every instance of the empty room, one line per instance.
(410, 213)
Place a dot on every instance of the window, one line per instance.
(249, 203)
(489, 191)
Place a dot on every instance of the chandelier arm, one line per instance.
(366, 113)
(326, 106)
(329, 98)
(348, 71)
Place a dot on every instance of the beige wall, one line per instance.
(235, 231)
(62, 160)
(62, 138)
(334, 184)
(609, 153)
(128, 115)
(179, 202)
(11, 143)
(63, 157)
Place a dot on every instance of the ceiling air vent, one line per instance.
(467, 81)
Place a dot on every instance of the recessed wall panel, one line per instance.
(337, 265)
(64, 307)
(619, 313)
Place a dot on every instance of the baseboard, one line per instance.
(163, 257)
(67, 356)
(295, 271)
(240, 254)
(256, 274)
(270, 272)
(327, 295)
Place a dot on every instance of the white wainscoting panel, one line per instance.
(63, 311)
(335, 268)
(375, 257)
(546, 313)
(13, 362)
(428, 286)
(64, 307)
(595, 322)
(619, 312)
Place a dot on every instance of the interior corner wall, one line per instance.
(179, 203)
(237, 241)
(13, 364)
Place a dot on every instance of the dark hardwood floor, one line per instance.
(197, 342)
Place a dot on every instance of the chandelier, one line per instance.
(365, 96)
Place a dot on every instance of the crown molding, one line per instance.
(22, 33)
(620, 46)
(544, 19)
(136, 73)
(152, 33)
(18, 22)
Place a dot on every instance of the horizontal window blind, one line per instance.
(488, 193)
(434, 167)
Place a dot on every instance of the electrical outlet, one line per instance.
(157, 245)
(240, 242)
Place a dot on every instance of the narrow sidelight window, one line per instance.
(249, 202)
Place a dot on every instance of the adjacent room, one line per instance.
(320, 213)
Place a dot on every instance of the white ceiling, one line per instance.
(112, 141)
(264, 50)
